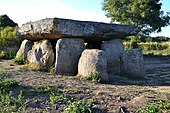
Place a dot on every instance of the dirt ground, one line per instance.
(121, 95)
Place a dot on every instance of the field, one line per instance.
(43, 92)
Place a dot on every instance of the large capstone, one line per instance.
(93, 61)
(113, 48)
(41, 57)
(132, 63)
(68, 52)
(55, 28)
(26, 45)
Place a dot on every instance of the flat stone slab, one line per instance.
(55, 28)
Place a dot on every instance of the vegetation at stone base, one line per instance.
(52, 69)
(9, 103)
(95, 77)
(19, 60)
(144, 14)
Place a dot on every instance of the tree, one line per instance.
(146, 14)
(6, 21)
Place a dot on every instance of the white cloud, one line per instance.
(22, 11)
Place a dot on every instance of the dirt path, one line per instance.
(120, 95)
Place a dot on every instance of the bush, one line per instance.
(8, 37)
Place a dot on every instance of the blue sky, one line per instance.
(22, 11)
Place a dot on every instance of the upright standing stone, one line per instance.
(93, 61)
(132, 63)
(41, 57)
(68, 52)
(26, 45)
(113, 48)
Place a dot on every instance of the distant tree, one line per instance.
(6, 21)
(146, 14)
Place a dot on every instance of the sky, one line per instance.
(23, 11)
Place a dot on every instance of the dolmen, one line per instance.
(80, 48)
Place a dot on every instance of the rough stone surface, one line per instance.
(68, 52)
(113, 48)
(41, 57)
(55, 28)
(93, 61)
(26, 45)
(132, 63)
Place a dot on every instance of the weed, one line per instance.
(6, 84)
(47, 89)
(59, 96)
(79, 107)
(9, 104)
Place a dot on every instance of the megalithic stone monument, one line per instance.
(68, 36)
